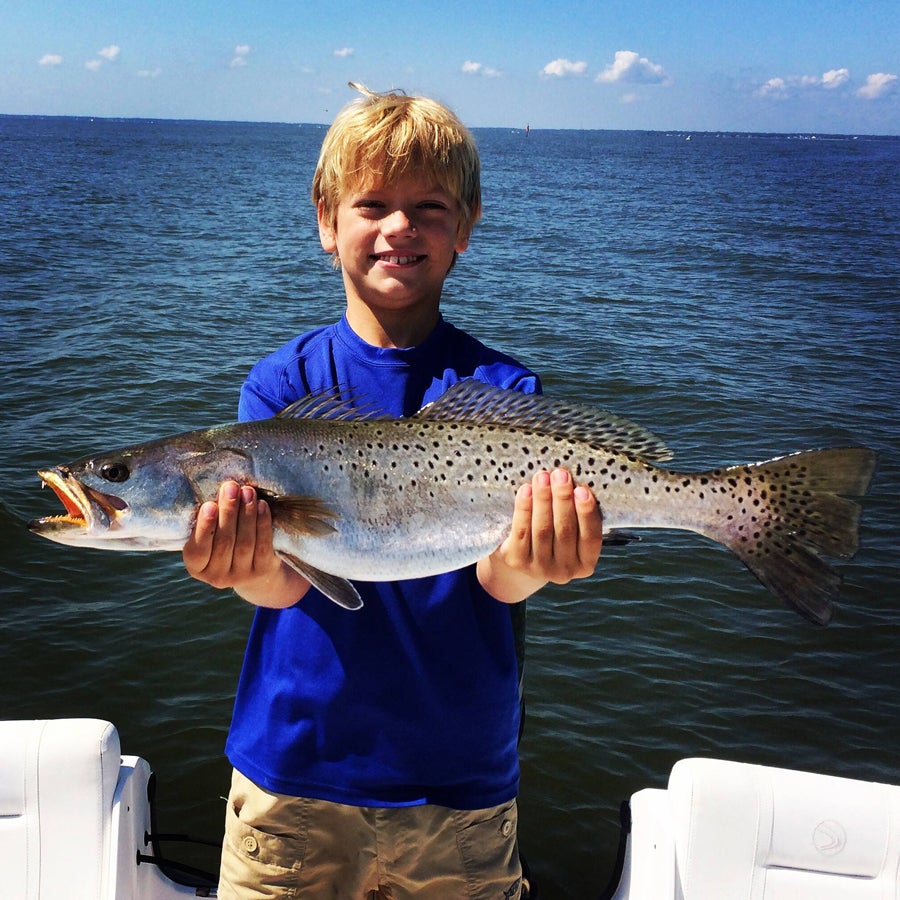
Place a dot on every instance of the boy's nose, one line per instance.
(398, 222)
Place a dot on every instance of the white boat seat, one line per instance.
(732, 831)
(57, 781)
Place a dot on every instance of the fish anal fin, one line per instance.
(335, 588)
(616, 537)
(298, 514)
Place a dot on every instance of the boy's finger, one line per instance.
(229, 508)
(263, 548)
(590, 528)
(542, 521)
(518, 543)
(565, 520)
(198, 549)
(245, 530)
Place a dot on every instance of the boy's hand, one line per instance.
(231, 547)
(556, 536)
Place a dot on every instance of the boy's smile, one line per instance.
(396, 244)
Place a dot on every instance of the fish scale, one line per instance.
(359, 496)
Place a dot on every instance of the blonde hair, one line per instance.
(379, 138)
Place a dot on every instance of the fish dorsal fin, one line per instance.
(477, 403)
(330, 403)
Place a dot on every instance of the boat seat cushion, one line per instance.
(57, 782)
(765, 833)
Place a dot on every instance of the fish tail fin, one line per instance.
(792, 512)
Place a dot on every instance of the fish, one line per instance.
(357, 495)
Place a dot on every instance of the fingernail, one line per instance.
(209, 511)
(582, 494)
(560, 476)
(248, 495)
(542, 479)
(230, 490)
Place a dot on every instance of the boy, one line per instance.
(375, 751)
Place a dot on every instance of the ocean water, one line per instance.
(739, 295)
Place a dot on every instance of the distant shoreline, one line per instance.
(532, 131)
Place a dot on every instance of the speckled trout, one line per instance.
(359, 496)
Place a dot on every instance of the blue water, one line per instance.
(739, 295)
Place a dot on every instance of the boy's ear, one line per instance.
(327, 233)
(462, 240)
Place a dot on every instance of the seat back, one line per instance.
(747, 832)
(57, 781)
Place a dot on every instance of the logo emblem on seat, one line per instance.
(829, 837)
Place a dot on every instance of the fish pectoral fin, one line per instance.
(335, 588)
(297, 514)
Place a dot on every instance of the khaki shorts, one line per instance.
(277, 846)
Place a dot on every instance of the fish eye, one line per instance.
(116, 472)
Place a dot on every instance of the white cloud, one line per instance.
(476, 68)
(781, 88)
(876, 86)
(50, 59)
(559, 68)
(110, 54)
(778, 88)
(632, 68)
(344, 52)
(834, 78)
(774, 87)
(149, 73)
(241, 52)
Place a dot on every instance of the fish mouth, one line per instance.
(86, 509)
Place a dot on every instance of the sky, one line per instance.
(810, 66)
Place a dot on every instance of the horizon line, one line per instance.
(522, 129)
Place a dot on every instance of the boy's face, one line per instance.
(396, 243)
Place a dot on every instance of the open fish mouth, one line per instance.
(86, 508)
